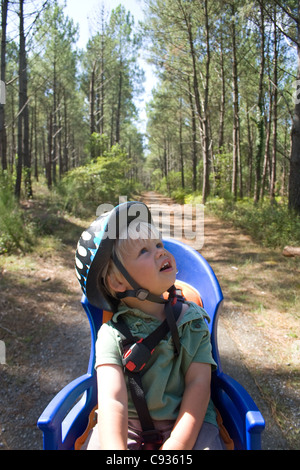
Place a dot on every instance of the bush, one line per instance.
(15, 231)
(171, 185)
(272, 225)
(101, 181)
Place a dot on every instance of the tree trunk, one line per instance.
(54, 122)
(92, 102)
(194, 137)
(260, 106)
(3, 145)
(222, 102)
(48, 161)
(206, 164)
(275, 84)
(66, 147)
(291, 251)
(35, 139)
(26, 153)
(23, 118)
(250, 153)
(196, 93)
(165, 160)
(202, 116)
(294, 180)
(181, 146)
(118, 117)
(14, 145)
(235, 136)
(59, 141)
(267, 146)
(102, 80)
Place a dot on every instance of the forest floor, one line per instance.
(47, 339)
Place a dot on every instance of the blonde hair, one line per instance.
(131, 235)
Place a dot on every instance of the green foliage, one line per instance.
(15, 230)
(101, 181)
(272, 225)
(99, 143)
(171, 185)
(220, 180)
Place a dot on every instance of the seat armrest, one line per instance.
(244, 421)
(57, 419)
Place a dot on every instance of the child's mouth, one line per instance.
(167, 265)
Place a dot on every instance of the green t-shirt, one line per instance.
(163, 375)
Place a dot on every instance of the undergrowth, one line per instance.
(16, 231)
(100, 181)
(79, 193)
(270, 224)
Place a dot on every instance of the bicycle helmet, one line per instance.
(95, 249)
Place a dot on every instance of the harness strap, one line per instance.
(149, 433)
(141, 294)
(138, 292)
(135, 359)
(172, 314)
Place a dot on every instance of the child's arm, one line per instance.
(112, 408)
(193, 408)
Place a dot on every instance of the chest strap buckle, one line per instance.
(136, 357)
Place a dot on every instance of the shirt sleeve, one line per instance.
(196, 342)
(108, 347)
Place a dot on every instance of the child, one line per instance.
(131, 271)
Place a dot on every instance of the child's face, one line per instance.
(153, 267)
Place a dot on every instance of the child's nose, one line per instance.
(160, 251)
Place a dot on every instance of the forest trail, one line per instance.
(47, 334)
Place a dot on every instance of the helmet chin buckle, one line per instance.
(142, 294)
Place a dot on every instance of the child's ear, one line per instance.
(116, 283)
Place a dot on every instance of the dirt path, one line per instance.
(46, 333)
(47, 337)
(258, 337)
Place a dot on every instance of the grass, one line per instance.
(272, 225)
(37, 225)
(15, 230)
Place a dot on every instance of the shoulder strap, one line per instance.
(172, 314)
(136, 357)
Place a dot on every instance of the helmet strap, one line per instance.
(137, 291)
(143, 294)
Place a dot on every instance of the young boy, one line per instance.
(134, 272)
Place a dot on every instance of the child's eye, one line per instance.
(143, 250)
(159, 245)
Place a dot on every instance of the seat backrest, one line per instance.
(195, 278)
